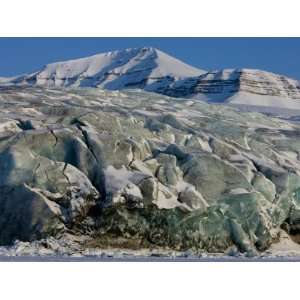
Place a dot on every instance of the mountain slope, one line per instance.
(136, 67)
(242, 87)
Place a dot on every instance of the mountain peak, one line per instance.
(145, 67)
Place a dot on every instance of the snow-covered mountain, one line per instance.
(241, 87)
(153, 70)
(145, 68)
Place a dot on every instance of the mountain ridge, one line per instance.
(103, 69)
(152, 70)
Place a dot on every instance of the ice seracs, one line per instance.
(135, 170)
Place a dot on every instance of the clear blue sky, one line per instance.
(279, 55)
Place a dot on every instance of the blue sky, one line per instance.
(279, 55)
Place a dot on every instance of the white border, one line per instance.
(149, 281)
(149, 18)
